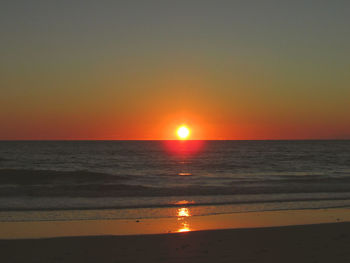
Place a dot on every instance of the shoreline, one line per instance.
(176, 205)
(327, 242)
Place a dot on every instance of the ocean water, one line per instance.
(70, 180)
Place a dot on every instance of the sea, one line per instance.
(93, 180)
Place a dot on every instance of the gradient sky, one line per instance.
(138, 69)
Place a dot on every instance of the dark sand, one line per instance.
(308, 243)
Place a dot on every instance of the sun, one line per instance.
(183, 132)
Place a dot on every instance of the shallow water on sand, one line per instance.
(183, 220)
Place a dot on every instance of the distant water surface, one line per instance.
(63, 180)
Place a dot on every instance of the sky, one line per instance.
(124, 70)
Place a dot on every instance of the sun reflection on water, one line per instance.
(183, 212)
(184, 202)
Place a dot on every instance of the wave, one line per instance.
(50, 183)
(38, 204)
(48, 177)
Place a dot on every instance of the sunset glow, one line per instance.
(183, 132)
(144, 75)
(175, 131)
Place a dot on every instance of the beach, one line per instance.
(120, 201)
(307, 243)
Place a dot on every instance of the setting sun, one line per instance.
(183, 132)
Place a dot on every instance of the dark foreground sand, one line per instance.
(310, 243)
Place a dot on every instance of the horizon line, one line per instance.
(306, 139)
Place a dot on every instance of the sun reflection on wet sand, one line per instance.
(182, 214)
(185, 227)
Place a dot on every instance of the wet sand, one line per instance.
(307, 243)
